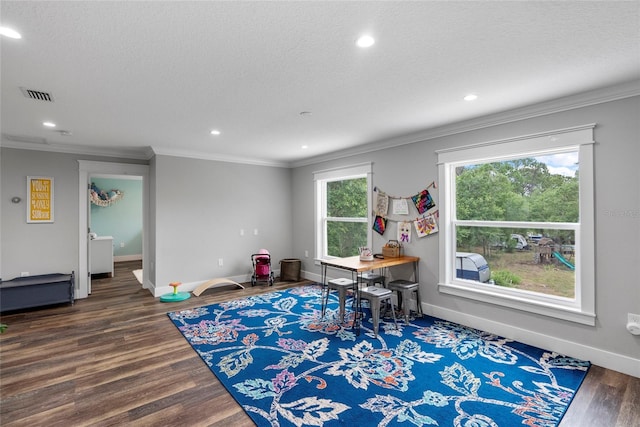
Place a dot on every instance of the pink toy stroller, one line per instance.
(262, 268)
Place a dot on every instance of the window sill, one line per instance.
(515, 302)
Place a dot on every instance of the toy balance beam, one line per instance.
(214, 283)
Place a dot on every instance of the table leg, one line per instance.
(356, 294)
(325, 288)
(416, 272)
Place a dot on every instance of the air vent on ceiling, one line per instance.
(36, 94)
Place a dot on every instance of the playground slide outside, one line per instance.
(563, 260)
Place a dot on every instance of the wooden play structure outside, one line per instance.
(547, 251)
(543, 250)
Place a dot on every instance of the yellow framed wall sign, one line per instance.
(40, 199)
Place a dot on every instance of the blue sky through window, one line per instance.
(561, 163)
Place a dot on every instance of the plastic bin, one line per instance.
(290, 270)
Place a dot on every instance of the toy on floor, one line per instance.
(214, 283)
(175, 296)
(262, 268)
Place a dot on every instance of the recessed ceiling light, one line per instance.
(365, 41)
(305, 113)
(8, 32)
(471, 97)
(304, 147)
(215, 132)
(49, 124)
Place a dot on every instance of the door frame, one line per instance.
(86, 170)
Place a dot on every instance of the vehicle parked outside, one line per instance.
(472, 266)
(517, 242)
(521, 242)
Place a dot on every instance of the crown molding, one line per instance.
(571, 102)
(217, 157)
(142, 153)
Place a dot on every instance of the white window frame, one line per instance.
(581, 308)
(321, 178)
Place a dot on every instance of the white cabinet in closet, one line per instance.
(102, 255)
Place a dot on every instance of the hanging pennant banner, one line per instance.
(379, 224)
(423, 201)
(426, 225)
(382, 203)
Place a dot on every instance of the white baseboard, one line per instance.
(121, 258)
(616, 362)
(243, 278)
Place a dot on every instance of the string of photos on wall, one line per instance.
(425, 224)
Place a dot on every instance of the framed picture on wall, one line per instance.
(39, 199)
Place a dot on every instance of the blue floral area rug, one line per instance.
(287, 366)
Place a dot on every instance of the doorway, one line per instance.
(115, 225)
(88, 170)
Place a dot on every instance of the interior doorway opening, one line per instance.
(115, 226)
(87, 171)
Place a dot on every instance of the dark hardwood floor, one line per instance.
(115, 359)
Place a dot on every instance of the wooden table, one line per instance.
(357, 267)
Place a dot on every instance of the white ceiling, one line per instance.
(128, 76)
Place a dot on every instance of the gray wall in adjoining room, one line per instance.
(200, 208)
(407, 169)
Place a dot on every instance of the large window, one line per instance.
(343, 204)
(517, 223)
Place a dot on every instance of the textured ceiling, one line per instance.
(133, 75)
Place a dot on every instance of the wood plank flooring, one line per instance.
(115, 359)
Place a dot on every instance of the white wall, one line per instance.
(407, 169)
(200, 208)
